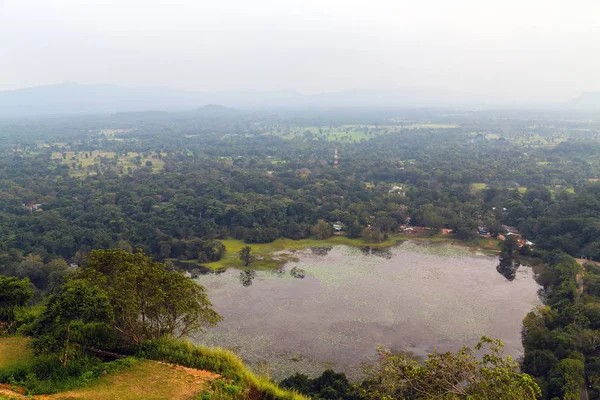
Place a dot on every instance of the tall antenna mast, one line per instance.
(336, 159)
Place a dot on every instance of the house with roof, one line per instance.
(511, 230)
(396, 190)
(338, 226)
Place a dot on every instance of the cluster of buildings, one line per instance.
(397, 190)
(510, 231)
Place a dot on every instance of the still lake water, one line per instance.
(412, 296)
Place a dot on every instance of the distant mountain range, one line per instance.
(73, 98)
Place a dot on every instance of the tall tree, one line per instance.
(73, 320)
(322, 230)
(14, 292)
(246, 255)
(147, 299)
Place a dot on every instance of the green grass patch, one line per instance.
(45, 374)
(273, 255)
(148, 380)
(429, 126)
(14, 349)
(477, 187)
(350, 133)
(94, 158)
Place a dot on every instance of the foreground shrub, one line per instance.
(329, 386)
(46, 374)
(450, 376)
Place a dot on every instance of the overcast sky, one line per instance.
(491, 50)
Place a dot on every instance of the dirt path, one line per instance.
(582, 261)
(579, 281)
(147, 380)
(7, 391)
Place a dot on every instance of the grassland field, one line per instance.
(95, 157)
(353, 133)
(526, 138)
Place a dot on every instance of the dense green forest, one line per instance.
(175, 185)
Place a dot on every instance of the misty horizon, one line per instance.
(466, 52)
(79, 99)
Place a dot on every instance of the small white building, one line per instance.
(338, 226)
(397, 190)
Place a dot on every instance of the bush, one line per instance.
(46, 374)
(329, 386)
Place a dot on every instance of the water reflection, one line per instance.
(507, 269)
(384, 252)
(194, 269)
(246, 277)
(321, 251)
(297, 273)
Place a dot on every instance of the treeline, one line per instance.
(562, 338)
(224, 177)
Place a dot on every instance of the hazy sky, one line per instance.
(493, 50)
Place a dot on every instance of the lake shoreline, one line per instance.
(272, 256)
(414, 296)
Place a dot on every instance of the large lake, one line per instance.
(412, 296)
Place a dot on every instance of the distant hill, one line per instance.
(216, 110)
(73, 98)
(589, 100)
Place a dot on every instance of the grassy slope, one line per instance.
(147, 379)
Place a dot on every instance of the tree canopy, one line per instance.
(120, 300)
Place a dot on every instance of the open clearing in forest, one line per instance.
(110, 133)
(477, 187)
(94, 158)
(352, 133)
(526, 138)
